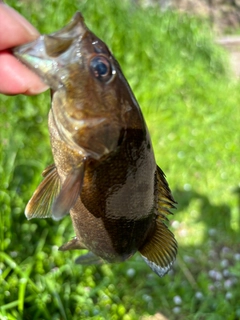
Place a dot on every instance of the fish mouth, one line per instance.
(49, 55)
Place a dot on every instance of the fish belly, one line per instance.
(112, 239)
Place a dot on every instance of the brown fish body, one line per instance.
(104, 169)
(118, 190)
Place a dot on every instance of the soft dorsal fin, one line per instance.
(73, 244)
(160, 249)
(165, 198)
(69, 193)
(40, 204)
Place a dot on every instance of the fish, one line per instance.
(104, 173)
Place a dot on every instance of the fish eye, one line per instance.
(101, 68)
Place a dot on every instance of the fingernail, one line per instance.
(37, 90)
(21, 20)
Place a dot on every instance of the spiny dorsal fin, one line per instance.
(165, 198)
(73, 244)
(160, 251)
(39, 206)
(69, 193)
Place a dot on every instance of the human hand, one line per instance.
(15, 78)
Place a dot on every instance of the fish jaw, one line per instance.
(49, 55)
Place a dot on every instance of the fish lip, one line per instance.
(30, 49)
(34, 56)
(75, 29)
(49, 54)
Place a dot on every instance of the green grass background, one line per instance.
(191, 105)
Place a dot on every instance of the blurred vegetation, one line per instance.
(191, 105)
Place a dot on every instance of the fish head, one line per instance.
(66, 56)
(92, 99)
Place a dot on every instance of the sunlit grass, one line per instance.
(191, 106)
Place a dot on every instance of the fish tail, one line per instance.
(160, 250)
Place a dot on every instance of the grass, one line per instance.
(191, 105)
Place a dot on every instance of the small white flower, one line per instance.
(215, 275)
(176, 224)
(228, 295)
(131, 272)
(177, 300)
(237, 256)
(225, 250)
(199, 295)
(176, 310)
(226, 273)
(187, 186)
(224, 263)
(227, 284)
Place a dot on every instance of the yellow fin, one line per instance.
(48, 169)
(69, 193)
(73, 244)
(165, 198)
(160, 251)
(39, 206)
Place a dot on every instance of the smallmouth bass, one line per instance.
(104, 170)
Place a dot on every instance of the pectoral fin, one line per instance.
(159, 252)
(73, 244)
(39, 206)
(69, 193)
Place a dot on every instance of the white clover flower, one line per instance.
(176, 310)
(227, 284)
(237, 256)
(131, 272)
(199, 295)
(228, 295)
(177, 300)
(224, 263)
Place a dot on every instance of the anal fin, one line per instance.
(160, 250)
(89, 259)
(85, 259)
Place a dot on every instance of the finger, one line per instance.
(15, 29)
(15, 77)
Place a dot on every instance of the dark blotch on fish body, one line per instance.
(104, 170)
